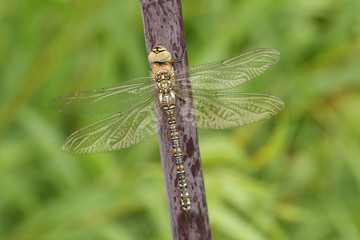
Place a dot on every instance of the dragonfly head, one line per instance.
(159, 54)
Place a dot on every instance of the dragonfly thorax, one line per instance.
(164, 84)
(163, 75)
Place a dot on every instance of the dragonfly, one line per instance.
(132, 104)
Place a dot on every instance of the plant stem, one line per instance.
(163, 25)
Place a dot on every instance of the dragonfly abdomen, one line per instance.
(169, 108)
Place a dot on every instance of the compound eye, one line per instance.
(163, 56)
(159, 54)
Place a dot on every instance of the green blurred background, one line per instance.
(296, 176)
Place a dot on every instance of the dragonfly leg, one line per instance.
(182, 55)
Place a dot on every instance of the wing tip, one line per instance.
(275, 53)
(273, 50)
(69, 150)
(66, 149)
(280, 103)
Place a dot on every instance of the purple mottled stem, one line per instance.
(163, 25)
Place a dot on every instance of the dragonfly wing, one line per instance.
(231, 72)
(104, 100)
(226, 110)
(120, 130)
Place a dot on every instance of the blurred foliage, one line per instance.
(296, 176)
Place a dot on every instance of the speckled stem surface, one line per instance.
(163, 25)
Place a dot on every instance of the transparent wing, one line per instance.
(120, 130)
(104, 100)
(229, 73)
(226, 110)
